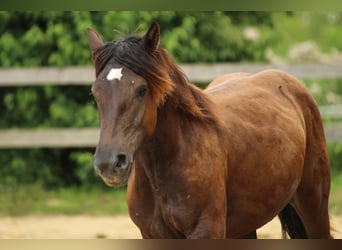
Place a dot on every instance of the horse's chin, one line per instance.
(115, 181)
(118, 180)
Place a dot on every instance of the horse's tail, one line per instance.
(291, 223)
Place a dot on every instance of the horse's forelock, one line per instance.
(151, 66)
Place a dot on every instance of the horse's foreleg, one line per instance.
(209, 227)
(203, 232)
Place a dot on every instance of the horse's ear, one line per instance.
(152, 37)
(94, 40)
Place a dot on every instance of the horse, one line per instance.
(216, 163)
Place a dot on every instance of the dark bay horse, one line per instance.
(218, 163)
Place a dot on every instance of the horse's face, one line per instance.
(126, 117)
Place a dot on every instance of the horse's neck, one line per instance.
(167, 140)
(176, 140)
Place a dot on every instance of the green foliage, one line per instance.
(325, 92)
(59, 38)
(85, 171)
(49, 167)
(31, 39)
(47, 106)
(321, 28)
(212, 37)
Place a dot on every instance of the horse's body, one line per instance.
(283, 157)
(218, 163)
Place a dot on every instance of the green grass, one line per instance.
(70, 201)
(335, 204)
(98, 201)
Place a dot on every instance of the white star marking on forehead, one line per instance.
(114, 73)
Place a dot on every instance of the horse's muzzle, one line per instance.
(114, 171)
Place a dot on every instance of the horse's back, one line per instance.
(260, 98)
(262, 93)
(266, 123)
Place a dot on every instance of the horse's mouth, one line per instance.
(118, 180)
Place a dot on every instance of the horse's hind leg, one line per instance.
(312, 195)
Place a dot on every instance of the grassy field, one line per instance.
(68, 201)
(335, 204)
(71, 201)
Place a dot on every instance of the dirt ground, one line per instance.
(116, 227)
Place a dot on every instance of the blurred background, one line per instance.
(46, 168)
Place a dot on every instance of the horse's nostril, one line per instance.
(121, 161)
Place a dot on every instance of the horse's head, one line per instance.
(128, 88)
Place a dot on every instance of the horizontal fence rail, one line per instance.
(195, 72)
(54, 137)
(79, 138)
(331, 112)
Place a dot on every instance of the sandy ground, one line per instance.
(87, 227)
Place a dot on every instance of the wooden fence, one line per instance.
(195, 72)
(87, 137)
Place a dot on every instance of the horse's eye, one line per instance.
(141, 91)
